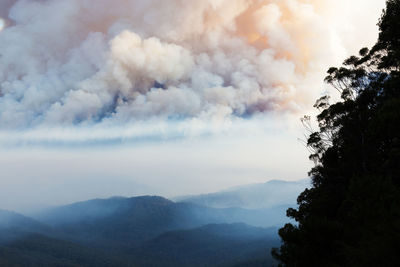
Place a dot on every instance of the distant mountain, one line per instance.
(256, 196)
(92, 209)
(10, 219)
(127, 222)
(212, 245)
(13, 226)
(138, 231)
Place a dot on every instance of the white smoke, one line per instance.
(85, 62)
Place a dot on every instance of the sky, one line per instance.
(130, 97)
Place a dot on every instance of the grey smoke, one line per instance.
(88, 62)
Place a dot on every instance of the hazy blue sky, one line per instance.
(32, 175)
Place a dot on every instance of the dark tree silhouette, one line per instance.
(351, 214)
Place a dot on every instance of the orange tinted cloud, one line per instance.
(123, 61)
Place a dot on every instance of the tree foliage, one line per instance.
(351, 214)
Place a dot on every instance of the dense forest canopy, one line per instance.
(351, 215)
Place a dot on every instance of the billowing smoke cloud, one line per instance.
(84, 62)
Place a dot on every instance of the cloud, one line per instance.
(86, 62)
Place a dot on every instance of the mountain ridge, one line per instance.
(253, 196)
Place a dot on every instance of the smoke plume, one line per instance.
(86, 62)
